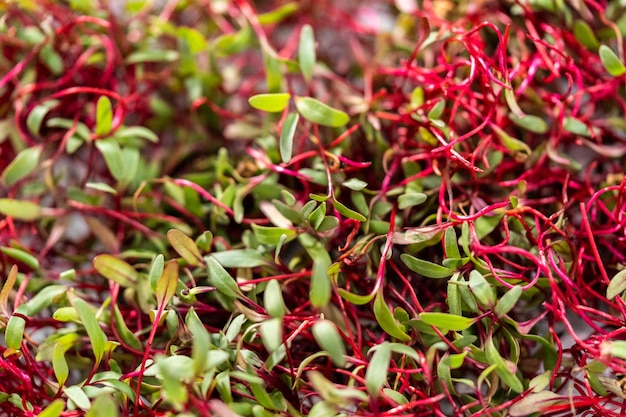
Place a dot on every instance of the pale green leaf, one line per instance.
(115, 269)
(22, 165)
(306, 52)
(167, 283)
(377, 368)
(426, 268)
(287, 134)
(617, 285)
(220, 278)
(327, 337)
(385, 319)
(445, 321)
(95, 333)
(272, 103)
(20, 209)
(611, 61)
(320, 113)
(185, 247)
(104, 116)
(508, 301)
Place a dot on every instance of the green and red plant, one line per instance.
(312, 208)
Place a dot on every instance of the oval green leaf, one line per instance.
(115, 269)
(273, 299)
(348, 212)
(611, 62)
(287, 134)
(272, 103)
(411, 199)
(320, 113)
(425, 268)
(377, 368)
(95, 333)
(185, 247)
(272, 333)
(21, 256)
(104, 116)
(22, 165)
(220, 278)
(617, 285)
(481, 289)
(386, 320)
(269, 235)
(167, 283)
(239, 258)
(306, 52)
(446, 321)
(508, 301)
(20, 210)
(327, 337)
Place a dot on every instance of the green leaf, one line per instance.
(481, 289)
(287, 134)
(354, 184)
(156, 270)
(508, 301)
(405, 350)
(240, 258)
(585, 35)
(195, 39)
(617, 348)
(272, 103)
(437, 110)
(355, 298)
(78, 397)
(20, 209)
(575, 126)
(220, 278)
(59, 363)
(124, 332)
(327, 337)
(306, 52)
(115, 269)
(450, 243)
(531, 123)
(317, 216)
(425, 268)
(272, 333)
(517, 148)
(37, 114)
(200, 341)
(54, 409)
(386, 320)
(320, 113)
(21, 256)
(273, 299)
(104, 406)
(445, 321)
(377, 368)
(104, 116)
(66, 314)
(328, 223)
(277, 15)
(320, 289)
(411, 199)
(133, 132)
(185, 247)
(536, 403)
(269, 235)
(88, 318)
(112, 153)
(611, 62)
(502, 368)
(167, 283)
(617, 285)
(22, 165)
(7, 287)
(14, 331)
(348, 212)
(151, 55)
(101, 186)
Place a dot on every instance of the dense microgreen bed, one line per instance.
(235, 208)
